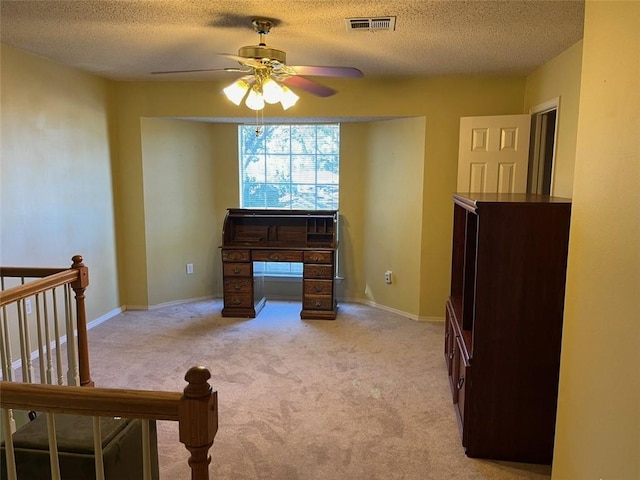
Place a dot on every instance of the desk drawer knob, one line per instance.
(460, 383)
(237, 270)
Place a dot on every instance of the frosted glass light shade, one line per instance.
(236, 91)
(271, 91)
(254, 100)
(288, 98)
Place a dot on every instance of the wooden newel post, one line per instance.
(198, 418)
(79, 286)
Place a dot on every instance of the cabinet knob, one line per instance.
(237, 287)
(236, 270)
(317, 303)
(460, 383)
(236, 301)
(452, 355)
(276, 256)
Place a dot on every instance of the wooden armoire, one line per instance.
(504, 322)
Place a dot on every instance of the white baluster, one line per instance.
(56, 324)
(53, 447)
(7, 418)
(97, 448)
(73, 373)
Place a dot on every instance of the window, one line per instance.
(289, 167)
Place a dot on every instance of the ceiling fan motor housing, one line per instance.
(259, 52)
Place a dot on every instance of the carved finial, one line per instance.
(197, 378)
(77, 261)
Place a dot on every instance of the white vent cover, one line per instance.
(370, 24)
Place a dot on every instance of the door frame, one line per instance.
(535, 146)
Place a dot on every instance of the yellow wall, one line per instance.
(392, 226)
(440, 100)
(179, 209)
(56, 196)
(560, 77)
(598, 423)
(353, 161)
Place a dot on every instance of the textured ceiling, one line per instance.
(126, 40)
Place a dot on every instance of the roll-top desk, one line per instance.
(259, 235)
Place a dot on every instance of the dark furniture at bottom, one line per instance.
(121, 449)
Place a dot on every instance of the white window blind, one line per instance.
(290, 167)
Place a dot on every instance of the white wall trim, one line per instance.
(554, 103)
(179, 302)
(369, 303)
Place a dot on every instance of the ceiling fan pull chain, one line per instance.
(259, 122)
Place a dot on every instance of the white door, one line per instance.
(493, 154)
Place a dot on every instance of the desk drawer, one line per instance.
(318, 257)
(276, 256)
(238, 285)
(318, 287)
(318, 271)
(237, 269)
(318, 302)
(238, 300)
(235, 256)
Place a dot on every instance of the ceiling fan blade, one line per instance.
(229, 69)
(309, 86)
(250, 62)
(320, 71)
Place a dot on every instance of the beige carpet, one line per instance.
(362, 397)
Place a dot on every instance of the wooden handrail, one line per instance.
(29, 272)
(77, 276)
(100, 402)
(40, 285)
(196, 409)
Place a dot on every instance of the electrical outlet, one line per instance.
(189, 268)
(388, 276)
(27, 306)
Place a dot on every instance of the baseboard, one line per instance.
(105, 317)
(379, 306)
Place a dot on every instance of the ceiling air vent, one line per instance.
(370, 24)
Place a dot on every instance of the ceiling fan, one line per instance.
(269, 76)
